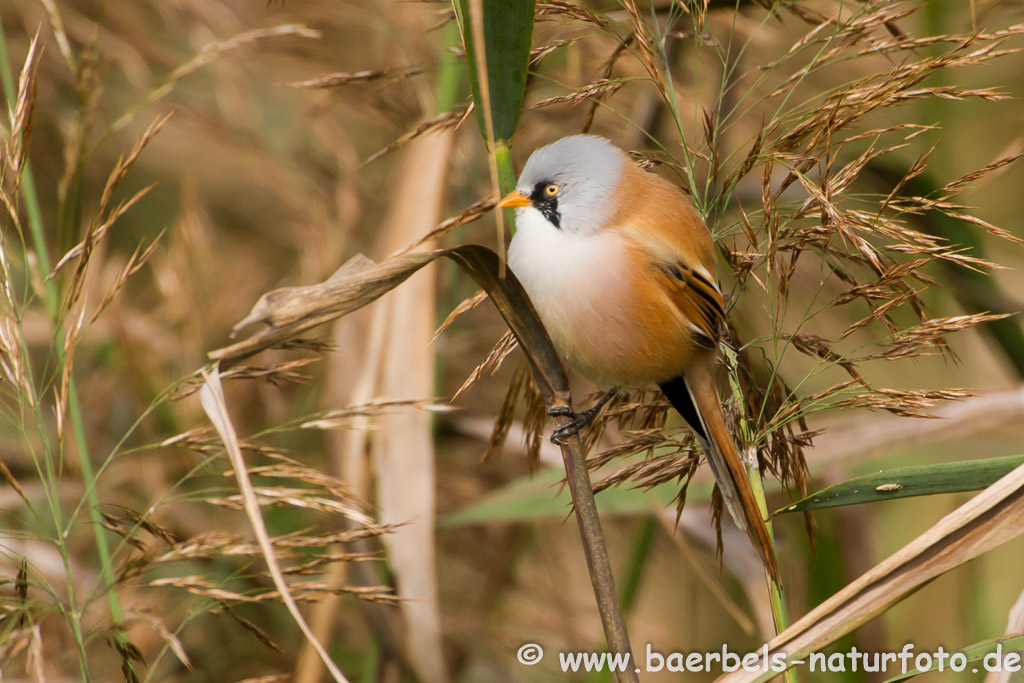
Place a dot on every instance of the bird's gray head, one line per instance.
(570, 182)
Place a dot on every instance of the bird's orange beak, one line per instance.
(514, 200)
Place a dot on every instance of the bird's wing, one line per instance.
(697, 298)
(676, 245)
(674, 265)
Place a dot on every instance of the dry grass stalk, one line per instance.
(571, 12)
(467, 304)
(106, 217)
(504, 346)
(213, 403)
(538, 54)
(209, 53)
(285, 372)
(349, 418)
(21, 116)
(599, 90)
(341, 79)
(645, 44)
(441, 122)
(467, 215)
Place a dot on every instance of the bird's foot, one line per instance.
(579, 420)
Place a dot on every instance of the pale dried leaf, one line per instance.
(212, 398)
(988, 520)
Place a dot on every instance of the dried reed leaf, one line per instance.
(988, 520)
(293, 310)
(402, 451)
(212, 398)
(1014, 628)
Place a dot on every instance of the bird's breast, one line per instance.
(604, 311)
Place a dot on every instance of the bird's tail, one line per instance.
(696, 398)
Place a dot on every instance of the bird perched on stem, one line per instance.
(621, 270)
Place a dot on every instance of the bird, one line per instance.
(620, 268)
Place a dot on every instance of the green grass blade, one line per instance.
(538, 497)
(907, 482)
(508, 32)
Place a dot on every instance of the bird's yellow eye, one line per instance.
(551, 190)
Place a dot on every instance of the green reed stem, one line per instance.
(779, 610)
(776, 594)
(506, 177)
(50, 294)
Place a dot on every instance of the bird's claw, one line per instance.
(578, 421)
(563, 433)
(561, 410)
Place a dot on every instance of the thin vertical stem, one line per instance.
(776, 594)
(50, 295)
(476, 19)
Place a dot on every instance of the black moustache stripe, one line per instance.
(546, 204)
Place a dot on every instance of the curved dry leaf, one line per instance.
(290, 311)
(211, 397)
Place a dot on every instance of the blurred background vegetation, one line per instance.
(267, 174)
